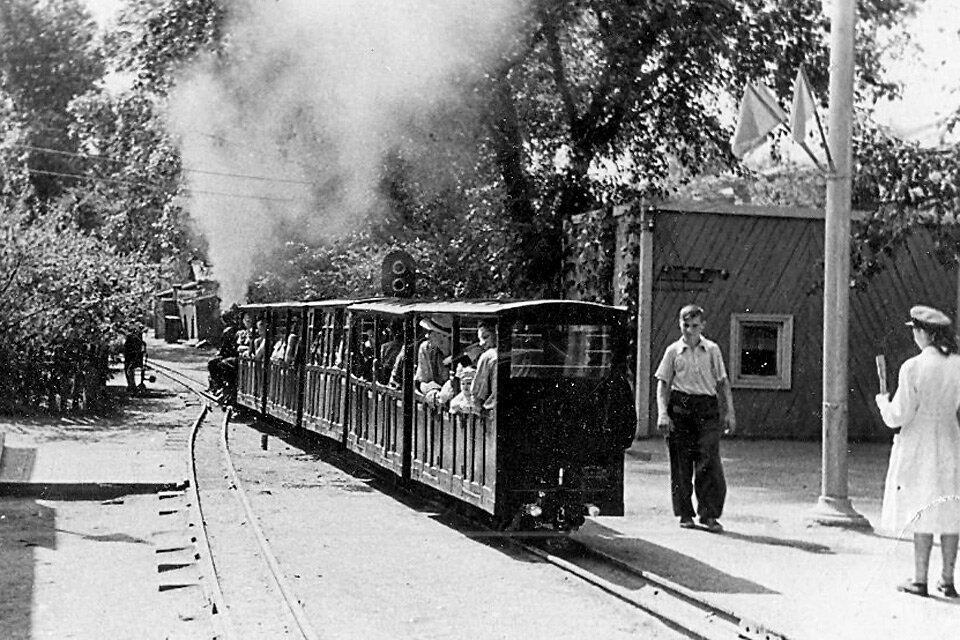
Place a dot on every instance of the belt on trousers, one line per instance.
(690, 396)
(690, 402)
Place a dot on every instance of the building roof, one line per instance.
(730, 209)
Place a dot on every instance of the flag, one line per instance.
(803, 108)
(759, 115)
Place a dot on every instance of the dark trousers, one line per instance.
(694, 446)
(223, 372)
(130, 366)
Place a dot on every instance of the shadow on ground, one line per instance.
(25, 525)
(664, 562)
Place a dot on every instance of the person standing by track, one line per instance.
(134, 352)
(693, 401)
(922, 490)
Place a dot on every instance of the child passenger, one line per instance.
(463, 376)
(484, 385)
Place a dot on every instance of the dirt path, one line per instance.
(88, 568)
(369, 565)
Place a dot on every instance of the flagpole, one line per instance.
(816, 115)
(834, 507)
(762, 98)
(805, 147)
(823, 138)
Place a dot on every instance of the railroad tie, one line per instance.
(175, 548)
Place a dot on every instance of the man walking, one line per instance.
(134, 349)
(693, 399)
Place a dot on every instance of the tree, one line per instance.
(64, 296)
(48, 56)
(904, 187)
(603, 99)
(88, 207)
(157, 37)
(591, 102)
(132, 192)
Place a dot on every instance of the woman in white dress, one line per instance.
(922, 492)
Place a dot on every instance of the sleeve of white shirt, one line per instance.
(420, 371)
(481, 387)
(665, 370)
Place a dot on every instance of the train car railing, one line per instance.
(455, 453)
(282, 394)
(249, 382)
(323, 401)
(375, 424)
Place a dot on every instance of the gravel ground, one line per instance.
(253, 602)
(368, 565)
(88, 569)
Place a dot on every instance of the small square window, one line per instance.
(761, 349)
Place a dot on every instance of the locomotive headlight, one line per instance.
(593, 510)
(533, 510)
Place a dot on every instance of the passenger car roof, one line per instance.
(398, 306)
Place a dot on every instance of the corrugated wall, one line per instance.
(775, 266)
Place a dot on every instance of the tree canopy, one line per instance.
(581, 103)
(588, 102)
(544, 110)
(88, 216)
(49, 55)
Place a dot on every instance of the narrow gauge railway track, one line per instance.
(194, 385)
(678, 608)
(211, 588)
(297, 624)
(675, 605)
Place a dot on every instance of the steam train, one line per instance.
(545, 454)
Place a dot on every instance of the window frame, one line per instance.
(555, 371)
(783, 323)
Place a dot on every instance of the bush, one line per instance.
(64, 296)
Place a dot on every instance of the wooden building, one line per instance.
(190, 311)
(758, 273)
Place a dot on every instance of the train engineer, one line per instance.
(693, 398)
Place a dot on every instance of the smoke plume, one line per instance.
(290, 127)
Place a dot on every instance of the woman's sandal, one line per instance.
(915, 588)
(947, 589)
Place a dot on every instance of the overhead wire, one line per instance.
(234, 143)
(80, 176)
(88, 156)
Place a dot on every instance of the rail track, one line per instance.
(225, 624)
(678, 608)
(211, 586)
